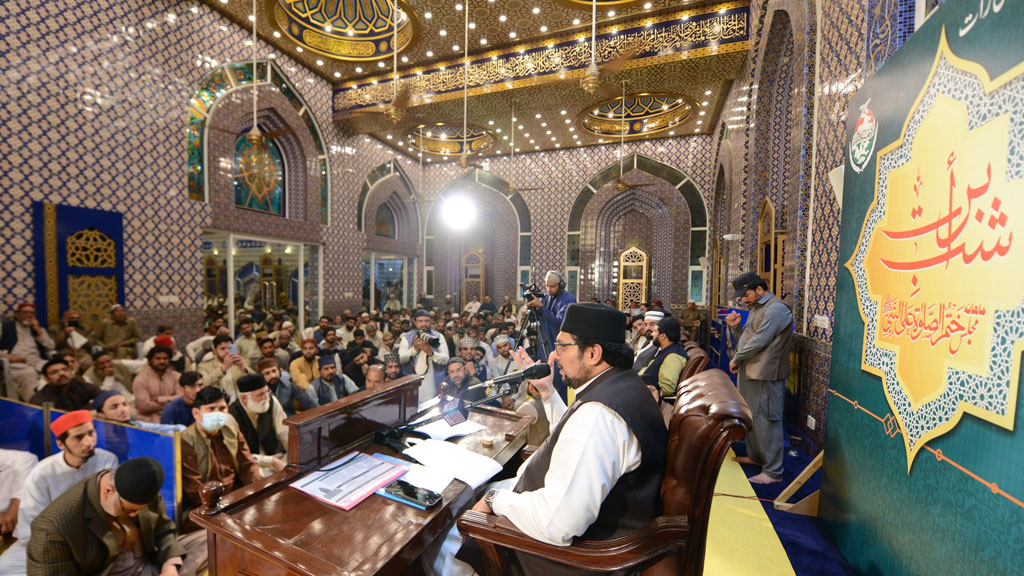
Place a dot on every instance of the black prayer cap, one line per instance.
(251, 382)
(595, 321)
(747, 281)
(139, 480)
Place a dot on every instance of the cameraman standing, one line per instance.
(551, 311)
(424, 352)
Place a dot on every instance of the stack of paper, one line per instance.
(473, 469)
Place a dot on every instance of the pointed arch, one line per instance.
(385, 172)
(675, 177)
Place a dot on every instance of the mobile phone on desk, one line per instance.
(414, 495)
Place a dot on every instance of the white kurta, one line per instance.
(14, 468)
(422, 364)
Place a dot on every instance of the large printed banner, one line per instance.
(940, 259)
(924, 446)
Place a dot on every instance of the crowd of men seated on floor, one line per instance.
(228, 395)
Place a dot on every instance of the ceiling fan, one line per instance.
(620, 184)
(512, 188)
(594, 80)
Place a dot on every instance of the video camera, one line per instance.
(431, 341)
(531, 291)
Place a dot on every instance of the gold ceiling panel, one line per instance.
(494, 21)
(703, 81)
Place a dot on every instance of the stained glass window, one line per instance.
(385, 222)
(258, 176)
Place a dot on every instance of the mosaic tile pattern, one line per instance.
(889, 24)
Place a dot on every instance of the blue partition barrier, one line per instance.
(23, 429)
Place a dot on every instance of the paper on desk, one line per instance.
(473, 469)
(440, 430)
(421, 476)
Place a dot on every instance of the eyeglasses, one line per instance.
(559, 345)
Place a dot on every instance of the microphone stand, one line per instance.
(392, 437)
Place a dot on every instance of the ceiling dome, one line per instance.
(356, 30)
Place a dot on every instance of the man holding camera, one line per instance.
(424, 352)
(551, 311)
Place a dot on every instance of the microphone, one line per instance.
(529, 373)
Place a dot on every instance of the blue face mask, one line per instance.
(214, 421)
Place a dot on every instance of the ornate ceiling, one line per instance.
(527, 53)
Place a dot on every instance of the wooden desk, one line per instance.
(270, 529)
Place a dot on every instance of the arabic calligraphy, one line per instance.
(934, 323)
(567, 57)
(948, 229)
(936, 263)
(984, 8)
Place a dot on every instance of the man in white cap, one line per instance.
(646, 352)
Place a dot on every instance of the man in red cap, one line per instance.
(26, 345)
(63, 391)
(79, 457)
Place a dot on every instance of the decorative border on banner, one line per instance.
(719, 29)
(881, 361)
(892, 430)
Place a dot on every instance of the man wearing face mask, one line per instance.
(113, 522)
(260, 419)
(52, 476)
(211, 450)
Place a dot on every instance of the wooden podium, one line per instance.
(270, 529)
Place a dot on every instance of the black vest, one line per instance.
(263, 437)
(650, 375)
(636, 498)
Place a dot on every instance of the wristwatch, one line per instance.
(489, 498)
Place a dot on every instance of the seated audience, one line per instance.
(282, 387)
(117, 334)
(458, 382)
(110, 374)
(113, 522)
(265, 349)
(373, 335)
(260, 419)
(375, 376)
(481, 357)
(69, 333)
(161, 330)
(111, 405)
(360, 361)
(246, 342)
(665, 368)
(224, 367)
(330, 385)
(330, 343)
(212, 450)
(14, 467)
(284, 350)
(179, 410)
(646, 352)
(304, 369)
(392, 367)
(53, 476)
(66, 393)
(347, 332)
(26, 345)
(180, 362)
(156, 386)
